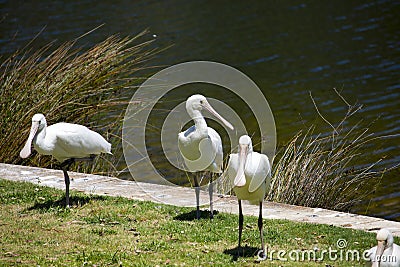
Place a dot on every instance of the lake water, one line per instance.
(289, 48)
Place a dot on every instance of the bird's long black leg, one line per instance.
(210, 192)
(240, 225)
(197, 191)
(65, 166)
(260, 228)
(67, 182)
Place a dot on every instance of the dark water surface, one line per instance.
(289, 48)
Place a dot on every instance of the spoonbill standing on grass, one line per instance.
(386, 253)
(250, 173)
(201, 146)
(66, 142)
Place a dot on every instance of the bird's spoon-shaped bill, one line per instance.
(207, 106)
(26, 151)
(240, 179)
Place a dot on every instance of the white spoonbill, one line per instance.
(386, 253)
(200, 145)
(66, 142)
(250, 173)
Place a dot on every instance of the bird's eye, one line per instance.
(201, 102)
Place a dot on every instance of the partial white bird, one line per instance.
(200, 145)
(66, 142)
(386, 253)
(250, 173)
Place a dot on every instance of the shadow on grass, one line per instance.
(75, 201)
(191, 216)
(243, 252)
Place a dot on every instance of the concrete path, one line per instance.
(180, 196)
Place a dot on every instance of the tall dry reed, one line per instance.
(325, 171)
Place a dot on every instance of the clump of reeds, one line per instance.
(324, 171)
(66, 83)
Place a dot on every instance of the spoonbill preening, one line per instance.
(250, 173)
(66, 142)
(386, 253)
(201, 146)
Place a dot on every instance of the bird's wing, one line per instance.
(77, 140)
(217, 147)
(188, 147)
(198, 155)
(260, 171)
(396, 253)
(233, 165)
(207, 155)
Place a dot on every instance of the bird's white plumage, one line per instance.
(386, 253)
(200, 145)
(64, 140)
(255, 182)
(250, 173)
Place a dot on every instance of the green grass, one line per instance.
(112, 231)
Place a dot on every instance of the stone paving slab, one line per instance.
(181, 196)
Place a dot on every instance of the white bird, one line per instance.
(66, 142)
(250, 173)
(200, 145)
(386, 253)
